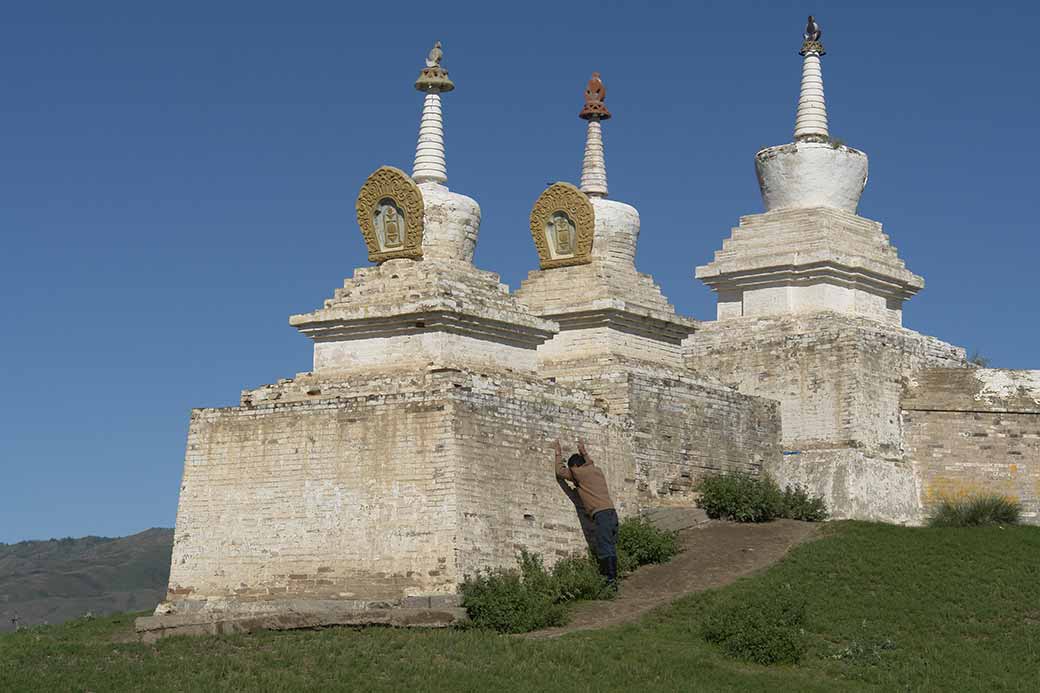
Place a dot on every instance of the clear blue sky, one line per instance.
(178, 178)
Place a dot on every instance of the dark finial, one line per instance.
(812, 30)
(595, 94)
(811, 38)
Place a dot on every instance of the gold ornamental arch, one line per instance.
(562, 225)
(390, 213)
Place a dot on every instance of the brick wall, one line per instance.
(382, 487)
(838, 378)
(974, 431)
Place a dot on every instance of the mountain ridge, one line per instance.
(54, 580)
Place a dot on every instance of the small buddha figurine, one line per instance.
(563, 235)
(595, 93)
(434, 57)
(812, 30)
(391, 226)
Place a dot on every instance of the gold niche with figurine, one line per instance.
(562, 226)
(390, 213)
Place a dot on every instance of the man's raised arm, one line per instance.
(583, 451)
(562, 472)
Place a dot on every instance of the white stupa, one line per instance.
(607, 310)
(810, 251)
(424, 304)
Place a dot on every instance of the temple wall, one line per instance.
(684, 429)
(807, 298)
(507, 489)
(321, 498)
(398, 490)
(974, 431)
(839, 380)
(681, 426)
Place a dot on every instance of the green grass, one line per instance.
(890, 609)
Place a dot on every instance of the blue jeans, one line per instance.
(606, 533)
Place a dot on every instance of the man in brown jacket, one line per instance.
(591, 485)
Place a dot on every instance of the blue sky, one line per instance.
(178, 178)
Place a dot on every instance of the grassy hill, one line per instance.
(890, 609)
(56, 580)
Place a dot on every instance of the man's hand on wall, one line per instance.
(559, 451)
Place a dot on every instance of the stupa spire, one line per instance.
(430, 165)
(811, 120)
(594, 166)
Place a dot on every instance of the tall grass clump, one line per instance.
(976, 511)
(743, 497)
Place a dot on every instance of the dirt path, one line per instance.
(714, 554)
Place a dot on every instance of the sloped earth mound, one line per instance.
(714, 554)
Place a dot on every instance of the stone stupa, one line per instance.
(810, 251)
(809, 312)
(607, 311)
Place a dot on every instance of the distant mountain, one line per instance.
(60, 579)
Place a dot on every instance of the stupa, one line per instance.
(810, 251)
(621, 339)
(809, 313)
(607, 311)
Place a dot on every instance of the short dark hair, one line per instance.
(575, 460)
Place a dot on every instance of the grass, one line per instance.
(889, 609)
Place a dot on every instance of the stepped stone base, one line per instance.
(295, 616)
(793, 261)
(380, 487)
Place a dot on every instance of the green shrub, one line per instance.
(579, 578)
(514, 601)
(765, 629)
(530, 597)
(641, 543)
(975, 511)
(799, 505)
(743, 497)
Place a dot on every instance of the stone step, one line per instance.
(673, 519)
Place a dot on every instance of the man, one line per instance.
(591, 485)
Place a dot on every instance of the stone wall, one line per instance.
(681, 425)
(379, 488)
(839, 380)
(322, 498)
(974, 431)
(384, 487)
